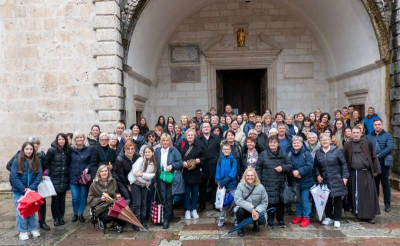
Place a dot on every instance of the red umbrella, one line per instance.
(121, 210)
(29, 204)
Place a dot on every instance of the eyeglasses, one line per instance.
(130, 149)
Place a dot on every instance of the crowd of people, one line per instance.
(251, 156)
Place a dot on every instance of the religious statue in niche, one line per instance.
(241, 37)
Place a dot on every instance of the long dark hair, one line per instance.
(158, 121)
(33, 163)
(343, 127)
(170, 117)
(65, 148)
(147, 162)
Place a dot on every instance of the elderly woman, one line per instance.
(192, 154)
(254, 134)
(331, 169)
(312, 144)
(273, 132)
(102, 155)
(239, 134)
(93, 137)
(278, 120)
(151, 139)
(250, 156)
(168, 159)
(217, 130)
(26, 174)
(291, 129)
(113, 143)
(143, 171)
(193, 125)
(214, 120)
(303, 163)
(81, 153)
(121, 168)
(104, 183)
(266, 123)
(272, 167)
(251, 198)
(57, 160)
(126, 138)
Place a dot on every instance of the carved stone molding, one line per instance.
(380, 27)
(137, 76)
(358, 71)
(357, 97)
(139, 102)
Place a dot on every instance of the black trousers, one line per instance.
(333, 209)
(107, 219)
(139, 197)
(58, 205)
(42, 212)
(242, 214)
(384, 179)
(168, 202)
(279, 212)
(205, 183)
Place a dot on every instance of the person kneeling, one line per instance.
(251, 199)
(97, 200)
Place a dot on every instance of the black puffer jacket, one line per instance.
(122, 166)
(272, 180)
(58, 168)
(261, 142)
(101, 156)
(332, 167)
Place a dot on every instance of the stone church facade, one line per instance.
(68, 64)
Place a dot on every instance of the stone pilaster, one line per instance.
(108, 52)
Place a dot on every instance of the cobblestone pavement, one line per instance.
(204, 231)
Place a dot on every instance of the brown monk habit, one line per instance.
(362, 164)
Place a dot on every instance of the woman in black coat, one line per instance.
(331, 169)
(192, 151)
(102, 155)
(272, 167)
(57, 160)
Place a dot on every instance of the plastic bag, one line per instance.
(219, 199)
(46, 188)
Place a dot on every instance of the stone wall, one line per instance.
(264, 18)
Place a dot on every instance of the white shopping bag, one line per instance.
(320, 193)
(46, 188)
(219, 199)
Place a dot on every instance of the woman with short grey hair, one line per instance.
(113, 141)
(312, 143)
(126, 137)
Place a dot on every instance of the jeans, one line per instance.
(303, 207)
(333, 209)
(58, 205)
(79, 197)
(139, 197)
(191, 196)
(24, 225)
(384, 179)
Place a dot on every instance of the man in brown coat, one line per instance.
(363, 165)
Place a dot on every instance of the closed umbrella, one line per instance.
(320, 193)
(29, 204)
(121, 210)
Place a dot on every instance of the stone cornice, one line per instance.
(137, 76)
(356, 72)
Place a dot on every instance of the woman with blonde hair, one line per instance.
(118, 131)
(266, 123)
(251, 199)
(81, 154)
(184, 120)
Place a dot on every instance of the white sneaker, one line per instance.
(187, 215)
(327, 221)
(35, 233)
(221, 223)
(336, 224)
(24, 236)
(195, 215)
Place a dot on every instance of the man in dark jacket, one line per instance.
(383, 143)
(211, 144)
(250, 124)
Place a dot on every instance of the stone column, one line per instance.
(395, 85)
(108, 52)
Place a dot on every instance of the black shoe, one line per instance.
(101, 224)
(135, 228)
(371, 221)
(282, 224)
(44, 226)
(241, 232)
(202, 207)
(387, 208)
(56, 222)
(74, 218)
(144, 224)
(61, 221)
(256, 227)
(81, 218)
(165, 225)
(119, 228)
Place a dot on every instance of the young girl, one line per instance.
(26, 174)
(228, 122)
(225, 176)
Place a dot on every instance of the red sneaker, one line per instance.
(297, 220)
(305, 222)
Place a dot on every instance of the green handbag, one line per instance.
(165, 176)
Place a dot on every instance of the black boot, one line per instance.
(143, 221)
(387, 208)
(61, 221)
(56, 222)
(256, 227)
(166, 224)
(202, 207)
(81, 218)
(241, 232)
(271, 223)
(74, 218)
(44, 226)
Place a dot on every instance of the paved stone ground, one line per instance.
(204, 231)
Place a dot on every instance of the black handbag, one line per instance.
(290, 194)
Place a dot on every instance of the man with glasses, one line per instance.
(250, 124)
(198, 117)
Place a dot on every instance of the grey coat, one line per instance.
(257, 200)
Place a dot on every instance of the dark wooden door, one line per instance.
(241, 89)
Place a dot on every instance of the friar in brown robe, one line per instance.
(363, 165)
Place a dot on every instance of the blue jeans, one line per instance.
(79, 197)
(303, 207)
(24, 225)
(191, 196)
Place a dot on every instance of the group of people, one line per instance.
(253, 157)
